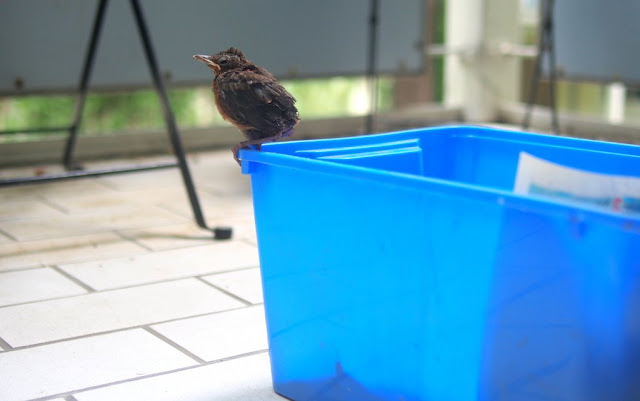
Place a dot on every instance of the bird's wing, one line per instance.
(255, 99)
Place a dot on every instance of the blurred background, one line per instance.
(355, 67)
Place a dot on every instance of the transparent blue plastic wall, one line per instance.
(402, 267)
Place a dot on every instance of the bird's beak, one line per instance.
(205, 59)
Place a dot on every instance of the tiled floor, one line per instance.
(109, 291)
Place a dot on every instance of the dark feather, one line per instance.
(250, 98)
(253, 99)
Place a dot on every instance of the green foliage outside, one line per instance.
(109, 113)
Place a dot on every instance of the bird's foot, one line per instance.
(242, 145)
(235, 151)
(257, 143)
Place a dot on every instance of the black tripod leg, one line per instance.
(372, 75)
(555, 127)
(67, 159)
(174, 136)
(537, 71)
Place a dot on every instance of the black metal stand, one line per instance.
(545, 45)
(67, 159)
(75, 171)
(372, 70)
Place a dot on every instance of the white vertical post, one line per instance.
(463, 34)
(615, 102)
(477, 77)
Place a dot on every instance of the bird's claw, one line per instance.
(235, 155)
(237, 148)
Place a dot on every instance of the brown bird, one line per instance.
(249, 97)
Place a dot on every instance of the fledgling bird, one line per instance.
(249, 97)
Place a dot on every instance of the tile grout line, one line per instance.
(52, 204)
(107, 332)
(132, 240)
(237, 269)
(106, 184)
(75, 338)
(172, 211)
(66, 236)
(152, 375)
(93, 291)
(22, 268)
(35, 301)
(232, 295)
(57, 298)
(165, 249)
(75, 280)
(249, 241)
(244, 355)
(174, 344)
(167, 280)
(5, 345)
(6, 234)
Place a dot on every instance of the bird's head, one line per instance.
(226, 60)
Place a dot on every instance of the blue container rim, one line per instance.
(270, 155)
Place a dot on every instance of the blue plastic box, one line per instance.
(401, 266)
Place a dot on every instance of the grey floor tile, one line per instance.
(17, 209)
(189, 234)
(35, 285)
(142, 197)
(79, 364)
(16, 255)
(64, 318)
(239, 189)
(5, 239)
(220, 174)
(164, 265)
(76, 186)
(135, 160)
(98, 220)
(29, 171)
(213, 206)
(232, 190)
(176, 200)
(246, 284)
(170, 237)
(87, 201)
(158, 179)
(107, 233)
(220, 335)
(242, 379)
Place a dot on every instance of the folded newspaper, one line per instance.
(541, 177)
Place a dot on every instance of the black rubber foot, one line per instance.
(74, 167)
(222, 232)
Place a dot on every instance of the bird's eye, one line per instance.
(223, 61)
